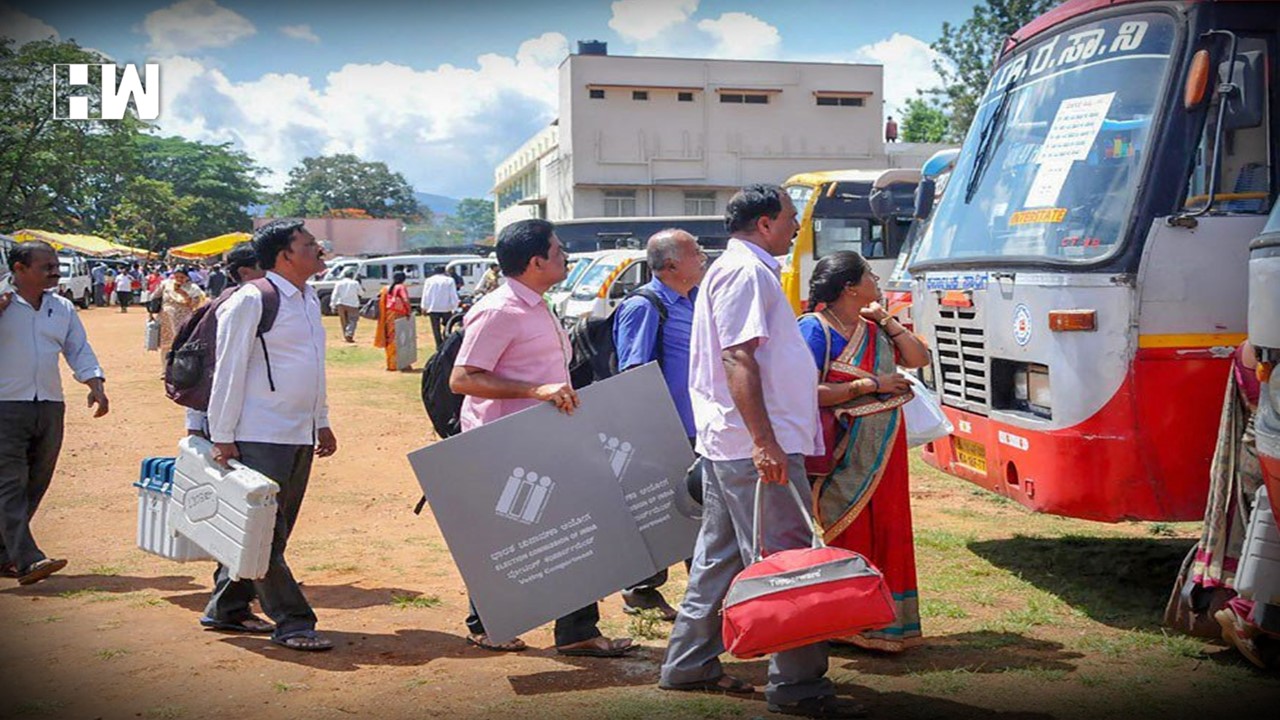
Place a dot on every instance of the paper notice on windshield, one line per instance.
(1047, 184)
(1074, 129)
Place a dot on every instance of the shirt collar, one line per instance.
(668, 295)
(739, 245)
(285, 287)
(47, 294)
(525, 293)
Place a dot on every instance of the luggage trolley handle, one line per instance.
(757, 530)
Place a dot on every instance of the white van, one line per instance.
(471, 270)
(75, 283)
(374, 273)
(599, 289)
(579, 263)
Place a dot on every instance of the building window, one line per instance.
(596, 94)
(619, 203)
(699, 203)
(740, 98)
(639, 94)
(685, 97)
(841, 101)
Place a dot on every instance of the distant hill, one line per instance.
(439, 204)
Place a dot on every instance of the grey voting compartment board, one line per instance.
(545, 513)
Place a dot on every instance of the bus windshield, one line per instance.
(1051, 165)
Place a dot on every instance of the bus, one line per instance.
(868, 211)
(1082, 283)
(1264, 335)
(583, 235)
(933, 180)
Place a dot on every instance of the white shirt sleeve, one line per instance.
(84, 364)
(197, 420)
(237, 331)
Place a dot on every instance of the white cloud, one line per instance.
(908, 67)
(190, 25)
(445, 128)
(645, 20)
(300, 32)
(741, 36)
(22, 27)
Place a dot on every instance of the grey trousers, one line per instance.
(282, 599)
(348, 318)
(722, 551)
(30, 440)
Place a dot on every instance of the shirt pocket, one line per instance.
(52, 325)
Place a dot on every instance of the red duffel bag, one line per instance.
(799, 597)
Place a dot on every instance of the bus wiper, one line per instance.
(986, 141)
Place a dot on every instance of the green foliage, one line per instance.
(150, 215)
(924, 122)
(338, 182)
(970, 48)
(473, 219)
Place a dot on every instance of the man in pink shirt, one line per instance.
(515, 355)
(755, 406)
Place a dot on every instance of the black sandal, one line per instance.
(252, 625)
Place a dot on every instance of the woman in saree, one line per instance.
(396, 333)
(1204, 601)
(863, 503)
(179, 298)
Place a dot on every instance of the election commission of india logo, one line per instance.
(620, 453)
(524, 496)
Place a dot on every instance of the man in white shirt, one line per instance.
(439, 300)
(754, 391)
(36, 325)
(345, 300)
(268, 409)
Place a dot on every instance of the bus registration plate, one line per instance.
(971, 454)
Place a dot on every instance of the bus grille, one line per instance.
(962, 359)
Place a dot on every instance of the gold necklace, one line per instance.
(844, 329)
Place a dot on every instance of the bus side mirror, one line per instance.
(924, 198)
(1247, 98)
(881, 202)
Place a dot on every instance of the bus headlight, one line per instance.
(1027, 387)
(1038, 387)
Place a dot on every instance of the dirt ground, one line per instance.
(1025, 616)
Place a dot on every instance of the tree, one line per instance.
(924, 122)
(344, 182)
(968, 51)
(473, 218)
(220, 181)
(151, 215)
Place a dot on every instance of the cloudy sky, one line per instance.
(442, 90)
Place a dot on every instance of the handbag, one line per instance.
(824, 464)
(923, 415)
(369, 311)
(799, 597)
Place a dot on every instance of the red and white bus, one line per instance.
(1083, 280)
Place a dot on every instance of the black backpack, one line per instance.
(443, 405)
(594, 355)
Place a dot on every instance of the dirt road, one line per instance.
(1026, 616)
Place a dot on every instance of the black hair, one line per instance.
(440, 270)
(398, 278)
(520, 242)
(832, 273)
(270, 239)
(241, 256)
(750, 204)
(23, 253)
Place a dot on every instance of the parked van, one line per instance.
(471, 270)
(579, 263)
(373, 273)
(613, 275)
(75, 283)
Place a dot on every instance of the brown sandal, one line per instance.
(727, 684)
(482, 641)
(590, 648)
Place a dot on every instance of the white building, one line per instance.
(641, 136)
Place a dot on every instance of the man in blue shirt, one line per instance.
(641, 334)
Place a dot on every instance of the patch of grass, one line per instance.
(91, 594)
(941, 539)
(1162, 529)
(406, 602)
(1182, 645)
(1036, 613)
(39, 707)
(648, 625)
(281, 686)
(110, 625)
(1091, 680)
(991, 497)
(166, 712)
(111, 653)
(944, 682)
(340, 568)
(353, 355)
(106, 570)
(1037, 674)
(147, 600)
(42, 620)
(644, 707)
(416, 683)
(931, 608)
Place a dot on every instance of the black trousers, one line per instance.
(438, 320)
(282, 599)
(30, 440)
(577, 626)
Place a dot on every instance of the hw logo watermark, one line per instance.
(72, 101)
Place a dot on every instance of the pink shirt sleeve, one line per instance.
(488, 333)
(738, 308)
